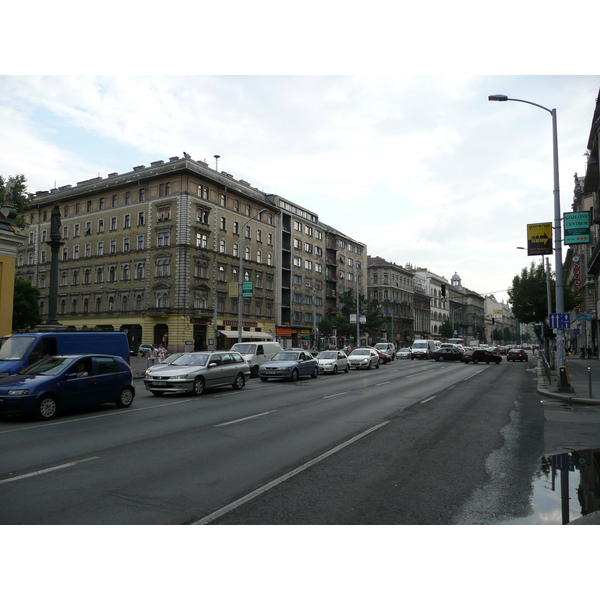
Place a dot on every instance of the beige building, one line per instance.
(155, 252)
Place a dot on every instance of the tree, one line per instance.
(446, 329)
(26, 310)
(529, 298)
(20, 197)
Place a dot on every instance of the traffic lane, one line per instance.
(423, 466)
(173, 476)
(30, 445)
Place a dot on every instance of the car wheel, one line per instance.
(315, 373)
(125, 398)
(239, 382)
(335, 369)
(377, 365)
(380, 360)
(370, 365)
(198, 387)
(46, 408)
(347, 369)
(475, 361)
(254, 371)
(157, 393)
(294, 376)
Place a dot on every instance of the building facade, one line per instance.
(156, 252)
(391, 291)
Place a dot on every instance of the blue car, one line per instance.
(289, 365)
(67, 382)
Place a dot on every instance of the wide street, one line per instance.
(414, 442)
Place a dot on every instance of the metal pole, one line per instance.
(357, 316)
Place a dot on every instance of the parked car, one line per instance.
(56, 383)
(363, 358)
(167, 361)
(144, 349)
(403, 353)
(289, 364)
(332, 361)
(197, 371)
(387, 348)
(447, 354)
(517, 354)
(477, 356)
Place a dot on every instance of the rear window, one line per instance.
(106, 364)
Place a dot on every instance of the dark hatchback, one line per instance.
(515, 354)
(67, 382)
(447, 354)
(481, 356)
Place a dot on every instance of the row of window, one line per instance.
(300, 299)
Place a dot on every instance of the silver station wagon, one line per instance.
(196, 371)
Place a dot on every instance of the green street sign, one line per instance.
(247, 289)
(576, 227)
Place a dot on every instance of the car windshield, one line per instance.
(244, 348)
(381, 346)
(172, 358)
(286, 356)
(327, 355)
(47, 366)
(14, 348)
(361, 352)
(191, 360)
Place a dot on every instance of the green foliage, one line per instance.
(20, 197)
(529, 298)
(26, 310)
(446, 329)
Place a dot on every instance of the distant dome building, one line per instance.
(455, 281)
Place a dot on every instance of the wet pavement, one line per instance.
(566, 489)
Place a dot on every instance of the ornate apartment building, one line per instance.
(156, 252)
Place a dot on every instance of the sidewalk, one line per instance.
(582, 373)
(138, 366)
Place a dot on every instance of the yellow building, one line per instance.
(9, 240)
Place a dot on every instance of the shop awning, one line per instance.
(247, 335)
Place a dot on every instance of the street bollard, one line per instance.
(590, 380)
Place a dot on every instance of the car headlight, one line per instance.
(18, 392)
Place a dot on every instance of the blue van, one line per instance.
(22, 349)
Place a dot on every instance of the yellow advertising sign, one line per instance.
(539, 239)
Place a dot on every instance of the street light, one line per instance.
(240, 277)
(560, 305)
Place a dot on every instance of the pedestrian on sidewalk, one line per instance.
(589, 352)
(161, 353)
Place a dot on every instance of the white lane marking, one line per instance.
(71, 464)
(334, 395)
(245, 418)
(427, 399)
(101, 416)
(275, 482)
(382, 383)
(470, 376)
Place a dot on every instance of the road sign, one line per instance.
(577, 227)
(560, 320)
(539, 239)
(247, 289)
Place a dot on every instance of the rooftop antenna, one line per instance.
(217, 157)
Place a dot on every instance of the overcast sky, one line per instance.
(401, 150)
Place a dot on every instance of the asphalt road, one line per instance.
(411, 442)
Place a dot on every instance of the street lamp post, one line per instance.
(240, 276)
(560, 305)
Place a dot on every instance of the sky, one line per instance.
(423, 169)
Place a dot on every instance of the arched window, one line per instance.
(86, 305)
(98, 305)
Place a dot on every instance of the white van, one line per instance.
(257, 353)
(422, 349)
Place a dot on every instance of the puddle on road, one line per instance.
(565, 488)
(566, 485)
